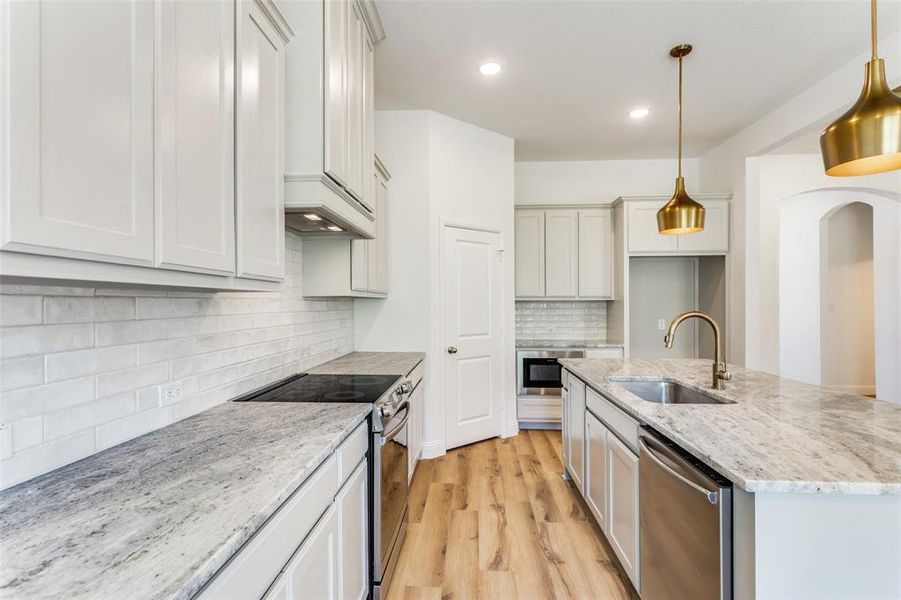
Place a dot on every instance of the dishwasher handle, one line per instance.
(712, 497)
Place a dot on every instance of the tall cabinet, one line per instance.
(145, 142)
(330, 127)
(564, 253)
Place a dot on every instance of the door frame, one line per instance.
(440, 342)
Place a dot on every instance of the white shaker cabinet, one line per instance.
(623, 514)
(561, 253)
(353, 500)
(195, 207)
(260, 144)
(335, 96)
(574, 423)
(529, 253)
(79, 111)
(369, 258)
(644, 238)
(313, 573)
(595, 252)
(596, 469)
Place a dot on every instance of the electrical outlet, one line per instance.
(170, 392)
(661, 324)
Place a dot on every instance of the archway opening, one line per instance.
(847, 323)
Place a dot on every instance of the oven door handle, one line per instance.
(390, 435)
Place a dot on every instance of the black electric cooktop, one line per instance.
(324, 388)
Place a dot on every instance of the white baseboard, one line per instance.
(433, 449)
(540, 425)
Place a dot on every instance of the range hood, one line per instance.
(317, 206)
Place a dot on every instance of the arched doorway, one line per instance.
(804, 326)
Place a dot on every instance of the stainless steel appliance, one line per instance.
(685, 524)
(388, 477)
(539, 373)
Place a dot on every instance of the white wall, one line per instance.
(599, 181)
(847, 302)
(81, 367)
(723, 169)
(442, 170)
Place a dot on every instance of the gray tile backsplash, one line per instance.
(559, 320)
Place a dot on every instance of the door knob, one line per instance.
(451, 349)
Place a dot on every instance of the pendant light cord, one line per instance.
(873, 36)
(680, 116)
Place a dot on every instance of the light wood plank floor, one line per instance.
(495, 520)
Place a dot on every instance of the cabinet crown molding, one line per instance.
(372, 20)
(664, 197)
(277, 18)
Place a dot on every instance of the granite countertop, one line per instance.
(590, 344)
(371, 363)
(158, 516)
(780, 435)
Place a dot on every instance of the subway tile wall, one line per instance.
(549, 320)
(81, 369)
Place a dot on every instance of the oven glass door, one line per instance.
(393, 482)
(541, 373)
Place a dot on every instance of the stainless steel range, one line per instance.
(388, 475)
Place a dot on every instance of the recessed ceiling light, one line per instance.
(334, 228)
(491, 67)
(313, 217)
(639, 113)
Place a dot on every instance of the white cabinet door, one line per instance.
(622, 514)
(715, 237)
(313, 573)
(415, 429)
(335, 100)
(195, 91)
(359, 265)
(378, 248)
(356, 36)
(80, 122)
(596, 253)
(370, 184)
(353, 566)
(561, 254)
(576, 430)
(260, 145)
(596, 469)
(642, 229)
(529, 253)
(567, 438)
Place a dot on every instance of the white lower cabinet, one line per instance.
(596, 469)
(607, 472)
(316, 546)
(622, 515)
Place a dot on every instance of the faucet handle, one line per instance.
(722, 373)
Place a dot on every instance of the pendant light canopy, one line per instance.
(867, 138)
(681, 214)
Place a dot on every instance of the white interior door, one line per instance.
(473, 314)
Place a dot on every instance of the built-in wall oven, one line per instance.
(539, 372)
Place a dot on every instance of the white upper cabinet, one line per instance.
(564, 253)
(260, 139)
(529, 253)
(195, 190)
(643, 237)
(330, 136)
(79, 120)
(595, 252)
(561, 253)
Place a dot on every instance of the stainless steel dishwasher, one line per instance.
(686, 524)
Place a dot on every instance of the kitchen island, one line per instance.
(817, 473)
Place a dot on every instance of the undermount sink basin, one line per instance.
(667, 392)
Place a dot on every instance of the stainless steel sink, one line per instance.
(667, 392)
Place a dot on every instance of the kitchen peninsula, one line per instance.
(816, 508)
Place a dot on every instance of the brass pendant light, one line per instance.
(681, 214)
(867, 138)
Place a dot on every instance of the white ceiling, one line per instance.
(573, 69)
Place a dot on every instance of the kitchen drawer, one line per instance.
(251, 571)
(617, 421)
(352, 450)
(415, 374)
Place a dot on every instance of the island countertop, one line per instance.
(159, 515)
(780, 435)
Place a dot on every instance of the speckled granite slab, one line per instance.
(541, 344)
(371, 363)
(158, 516)
(779, 435)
